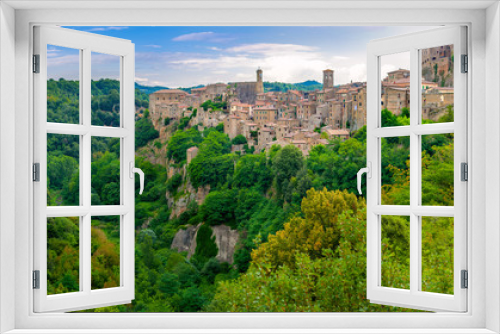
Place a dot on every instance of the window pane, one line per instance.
(437, 84)
(396, 251)
(105, 247)
(395, 171)
(395, 89)
(63, 85)
(437, 254)
(63, 255)
(437, 170)
(105, 171)
(63, 177)
(105, 89)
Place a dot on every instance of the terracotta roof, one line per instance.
(170, 91)
(338, 132)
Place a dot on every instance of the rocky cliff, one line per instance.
(225, 239)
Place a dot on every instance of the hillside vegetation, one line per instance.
(302, 227)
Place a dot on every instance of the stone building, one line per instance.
(165, 103)
(191, 153)
(232, 126)
(266, 135)
(265, 114)
(247, 92)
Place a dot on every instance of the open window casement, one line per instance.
(436, 240)
(74, 288)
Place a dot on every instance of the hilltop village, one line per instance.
(303, 119)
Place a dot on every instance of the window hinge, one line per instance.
(36, 279)
(464, 172)
(465, 63)
(36, 172)
(36, 63)
(465, 279)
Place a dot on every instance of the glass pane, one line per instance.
(63, 177)
(437, 170)
(395, 88)
(63, 85)
(437, 254)
(105, 89)
(105, 171)
(395, 171)
(437, 84)
(63, 255)
(105, 239)
(396, 251)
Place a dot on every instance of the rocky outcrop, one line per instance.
(225, 239)
(185, 240)
(191, 194)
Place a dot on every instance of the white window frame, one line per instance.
(484, 25)
(85, 44)
(414, 296)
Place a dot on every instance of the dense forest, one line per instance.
(302, 226)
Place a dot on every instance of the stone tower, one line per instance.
(259, 85)
(327, 79)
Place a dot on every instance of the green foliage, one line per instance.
(215, 106)
(219, 208)
(283, 87)
(144, 132)
(174, 182)
(205, 244)
(239, 140)
(62, 255)
(213, 164)
(287, 162)
(180, 142)
(308, 246)
(253, 170)
(220, 127)
(183, 123)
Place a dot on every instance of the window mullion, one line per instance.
(415, 174)
(85, 165)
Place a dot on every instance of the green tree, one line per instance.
(180, 142)
(287, 162)
(239, 140)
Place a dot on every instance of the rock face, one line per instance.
(225, 239)
(185, 240)
(181, 204)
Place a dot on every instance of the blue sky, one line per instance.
(188, 56)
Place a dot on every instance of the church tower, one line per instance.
(259, 85)
(327, 79)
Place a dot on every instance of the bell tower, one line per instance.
(259, 85)
(328, 79)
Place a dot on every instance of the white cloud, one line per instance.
(64, 61)
(141, 80)
(270, 48)
(355, 72)
(280, 62)
(208, 36)
(107, 28)
(154, 46)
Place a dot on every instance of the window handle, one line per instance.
(134, 170)
(368, 171)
